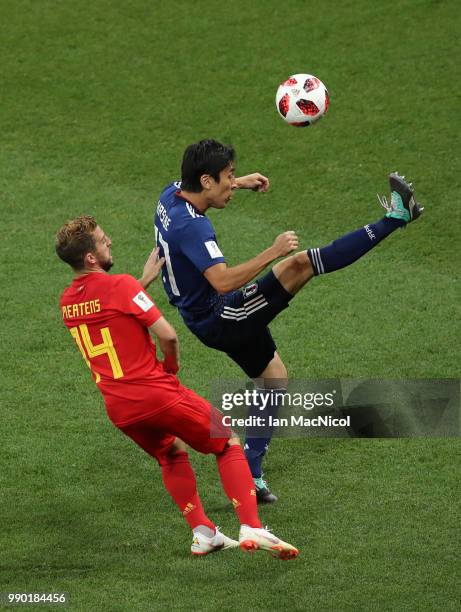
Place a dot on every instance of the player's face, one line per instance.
(102, 254)
(221, 193)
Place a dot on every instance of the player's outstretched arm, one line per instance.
(152, 268)
(255, 181)
(168, 342)
(225, 279)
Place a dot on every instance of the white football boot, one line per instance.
(252, 538)
(203, 545)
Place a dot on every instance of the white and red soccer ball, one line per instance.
(302, 100)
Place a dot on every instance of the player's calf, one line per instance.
(294, 272)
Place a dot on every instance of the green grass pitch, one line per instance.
(97, 102)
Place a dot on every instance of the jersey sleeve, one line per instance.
(130, 298)
(198, 243)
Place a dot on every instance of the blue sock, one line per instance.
(255, 449)
(258, 438)
(350, 247)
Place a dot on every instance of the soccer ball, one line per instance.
(302, 99)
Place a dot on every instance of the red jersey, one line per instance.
(108, 316)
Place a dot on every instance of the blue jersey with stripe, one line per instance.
(188, 242)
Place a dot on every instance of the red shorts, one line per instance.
(192, 419)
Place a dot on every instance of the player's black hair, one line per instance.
(204, 157)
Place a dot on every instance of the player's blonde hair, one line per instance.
(75, 239)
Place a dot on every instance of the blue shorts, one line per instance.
(238, 323)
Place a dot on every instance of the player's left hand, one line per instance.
(152, 268)
(255, 181)
(171, 365)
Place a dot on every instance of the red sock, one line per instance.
(238, 484)
(179, 480)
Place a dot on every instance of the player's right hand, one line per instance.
(286, 243)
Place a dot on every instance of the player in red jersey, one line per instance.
(112, 320)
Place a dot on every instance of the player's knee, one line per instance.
(234, 440)
(301, 264)
(282, 371)
(275, 375)
(279, 377)
(178, 446)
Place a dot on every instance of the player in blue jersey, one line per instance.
(215, 300)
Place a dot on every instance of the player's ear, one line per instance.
(89, 259)
(205, 181)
